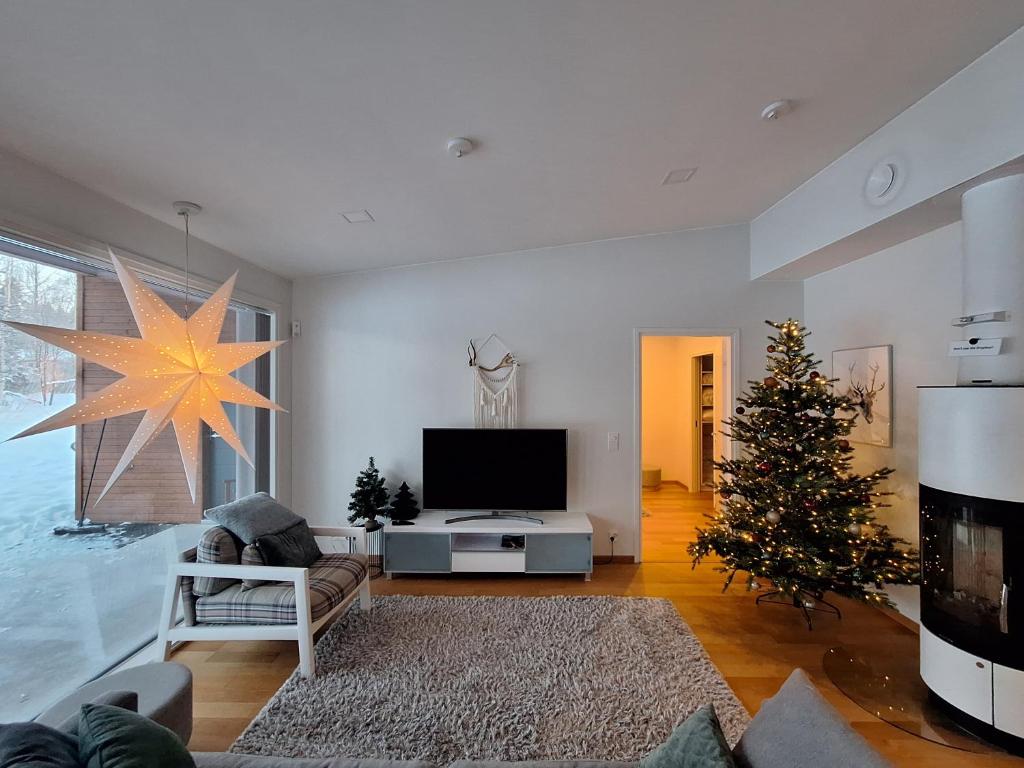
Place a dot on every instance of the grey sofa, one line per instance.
(796, 728)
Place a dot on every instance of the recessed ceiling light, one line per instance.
(679, 176)
(357, 217)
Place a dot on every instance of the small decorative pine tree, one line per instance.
(793, 512)
(369, 498)
(403, 507)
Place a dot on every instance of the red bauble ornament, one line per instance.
(844, 445)
(725, 495)
(810, 504)
(771, 348)
(764, 466)
(815, 375)
(740, 410)
(865, 499)
(771, 382)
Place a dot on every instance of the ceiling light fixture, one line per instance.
(178, 372)
(679, 176)
(777, 109)
(358, 217)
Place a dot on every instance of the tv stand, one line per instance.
(546, 542)
(495, 515)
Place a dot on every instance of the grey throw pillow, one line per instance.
(293, 548)
(799, 729)
(697, 742)
(38, 746)
(253, 516)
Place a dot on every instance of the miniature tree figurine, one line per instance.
(369, 498)
(793, 511)
(403, 507)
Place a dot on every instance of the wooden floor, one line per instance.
(754, 647)
(670, 516)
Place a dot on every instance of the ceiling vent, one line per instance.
(679, 176)
(357, 217)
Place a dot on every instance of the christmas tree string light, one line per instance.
(793, 511)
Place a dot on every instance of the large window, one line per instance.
(75, 605)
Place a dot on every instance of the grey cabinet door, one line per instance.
(553, 552)
(417, 552)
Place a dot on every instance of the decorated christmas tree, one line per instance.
(369, 498)
(403, 507)
(793, 512)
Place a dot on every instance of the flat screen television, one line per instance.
(494, 470)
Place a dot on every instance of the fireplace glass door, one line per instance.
(968, 573)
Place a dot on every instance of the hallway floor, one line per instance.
(670, 516)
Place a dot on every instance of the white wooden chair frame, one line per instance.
(302, 632)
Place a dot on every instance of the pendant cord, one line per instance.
(185, 214)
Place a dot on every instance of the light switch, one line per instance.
(613, 442)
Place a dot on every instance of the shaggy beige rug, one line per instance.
(508, 678)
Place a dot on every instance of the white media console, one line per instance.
(563, 544)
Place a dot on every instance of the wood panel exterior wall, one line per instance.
(154, 488)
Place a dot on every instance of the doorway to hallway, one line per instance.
(685, 388)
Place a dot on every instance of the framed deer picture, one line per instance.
(864, 375)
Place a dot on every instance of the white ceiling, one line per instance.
(278, 115)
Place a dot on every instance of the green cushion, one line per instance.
(111, 737)
(696, 743)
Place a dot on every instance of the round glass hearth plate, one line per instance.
(883, 679)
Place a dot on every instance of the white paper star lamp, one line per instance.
(178, 373)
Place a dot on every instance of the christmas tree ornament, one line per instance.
(814, 375)
(796, 458)
(854, 528)
(771, 348)
(178, 372)
(771, 382)
(740, 410)
(725, 495)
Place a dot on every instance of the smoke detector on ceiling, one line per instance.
(459, 146)
(777, 109)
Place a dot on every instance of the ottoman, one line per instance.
(164, 690)
(650, 476)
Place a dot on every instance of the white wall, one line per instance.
(39, 200)
(966, 127)
(382, 354)
(667, 433)
(905, 296)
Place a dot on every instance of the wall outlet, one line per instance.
(613, 442)
(613, 534)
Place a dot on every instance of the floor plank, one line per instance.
(754, 647)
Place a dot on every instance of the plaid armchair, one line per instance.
(231, 595)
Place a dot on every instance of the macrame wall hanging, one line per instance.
(495, 386)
